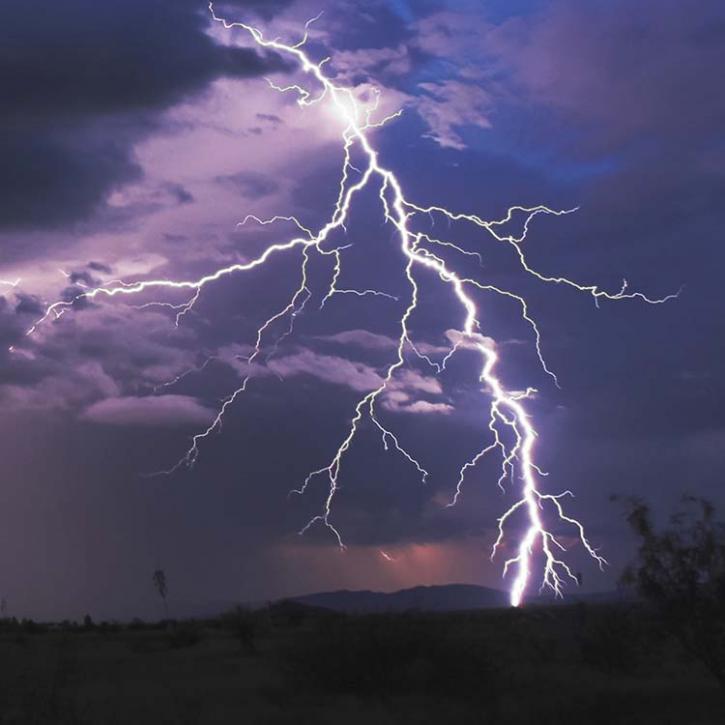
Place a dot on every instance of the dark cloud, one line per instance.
(51, 176)
(179, 193)
(235, 9)
(631, 70)
(83, 57)
(270, 117)
(28, 305)
(82, 81)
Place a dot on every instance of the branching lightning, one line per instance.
(510, 425)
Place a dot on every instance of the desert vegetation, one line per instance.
(656, 657)
(288, 664)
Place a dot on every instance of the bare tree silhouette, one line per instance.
(159, 579)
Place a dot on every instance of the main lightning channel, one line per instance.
(508, 416)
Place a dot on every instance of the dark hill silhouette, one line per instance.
(447, 598)
(442, 598)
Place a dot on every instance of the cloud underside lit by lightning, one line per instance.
(513, 435)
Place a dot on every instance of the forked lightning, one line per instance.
(512, 431)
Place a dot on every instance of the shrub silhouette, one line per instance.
(680, 572)
(245, 626)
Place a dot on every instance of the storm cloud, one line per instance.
(134, 138)
(82, 82)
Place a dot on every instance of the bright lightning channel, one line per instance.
(508, 419)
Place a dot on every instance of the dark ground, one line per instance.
(291, 664)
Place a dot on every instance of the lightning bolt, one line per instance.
(510, 425)
(388, 557)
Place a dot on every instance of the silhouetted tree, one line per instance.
(159, 579)
(681, 573)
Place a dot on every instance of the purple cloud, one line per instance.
(158, 411)
(361, 338)
(331, 369)
(621, 65)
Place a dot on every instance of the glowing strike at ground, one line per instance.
(510, 425)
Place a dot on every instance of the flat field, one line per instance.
(293, 665)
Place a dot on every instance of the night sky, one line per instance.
(135, 134)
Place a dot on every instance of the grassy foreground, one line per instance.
(292, 665)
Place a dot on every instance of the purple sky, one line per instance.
(135, 136)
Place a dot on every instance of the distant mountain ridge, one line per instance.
(445, 598)
(441, 598)
(436, 598)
